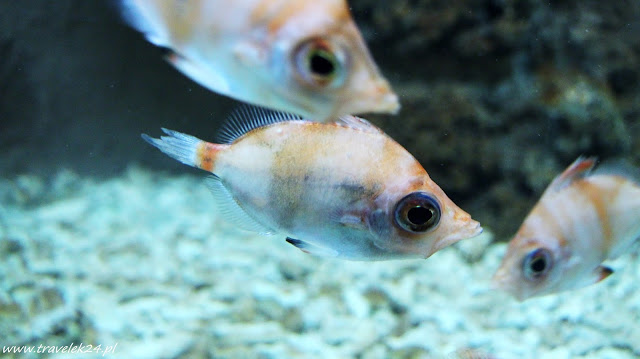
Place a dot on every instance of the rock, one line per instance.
(356, 303)
(248, 333)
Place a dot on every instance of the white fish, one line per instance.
(343, 189)
(585, 217)
(304, 57)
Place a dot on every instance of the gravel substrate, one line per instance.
(143, 262)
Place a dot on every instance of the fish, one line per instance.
(341, 190)
(302, 57)
(588, 214)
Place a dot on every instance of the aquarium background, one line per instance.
(105, 241)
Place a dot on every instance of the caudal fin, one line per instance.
(185, 148)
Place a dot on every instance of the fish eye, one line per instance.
(537, 263)
(318, 63)
(417, 212)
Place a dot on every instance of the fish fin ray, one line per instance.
(146, 19)
(619, 167)
(231, 211)
(602, 272)
(358, 124)
(249, 117)
(312, 248)
(204, 76)
(579, 169)
(177, 145)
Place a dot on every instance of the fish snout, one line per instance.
(473, 228)
(502, 280)
(371, 96)
(467, 227)
(460, 229)
(384, 99)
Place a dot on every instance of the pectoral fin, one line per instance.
(311, 248)
(602, 272)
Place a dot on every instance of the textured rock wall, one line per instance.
(498, 95)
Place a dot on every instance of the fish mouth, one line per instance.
(475, 229)
(469, 230)
(502, 281)
(387, 100)
(384, 99)
(377, 98)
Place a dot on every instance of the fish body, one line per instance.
(343, 190)
(303, 57)
(586, 216)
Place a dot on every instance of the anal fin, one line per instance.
(204, 76)
(311, 248)
(231, 211)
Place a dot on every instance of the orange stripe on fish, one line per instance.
(339, 13)
(206, 154)
(601, 205)
(284, 14)
(544, 214)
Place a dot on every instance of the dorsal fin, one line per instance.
(579, 169)
(619, 167)
(247, 117)
(231, 211)
(358, 123)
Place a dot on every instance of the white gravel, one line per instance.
(143, 262)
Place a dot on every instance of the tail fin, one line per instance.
(187, 149)
(147, 17)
